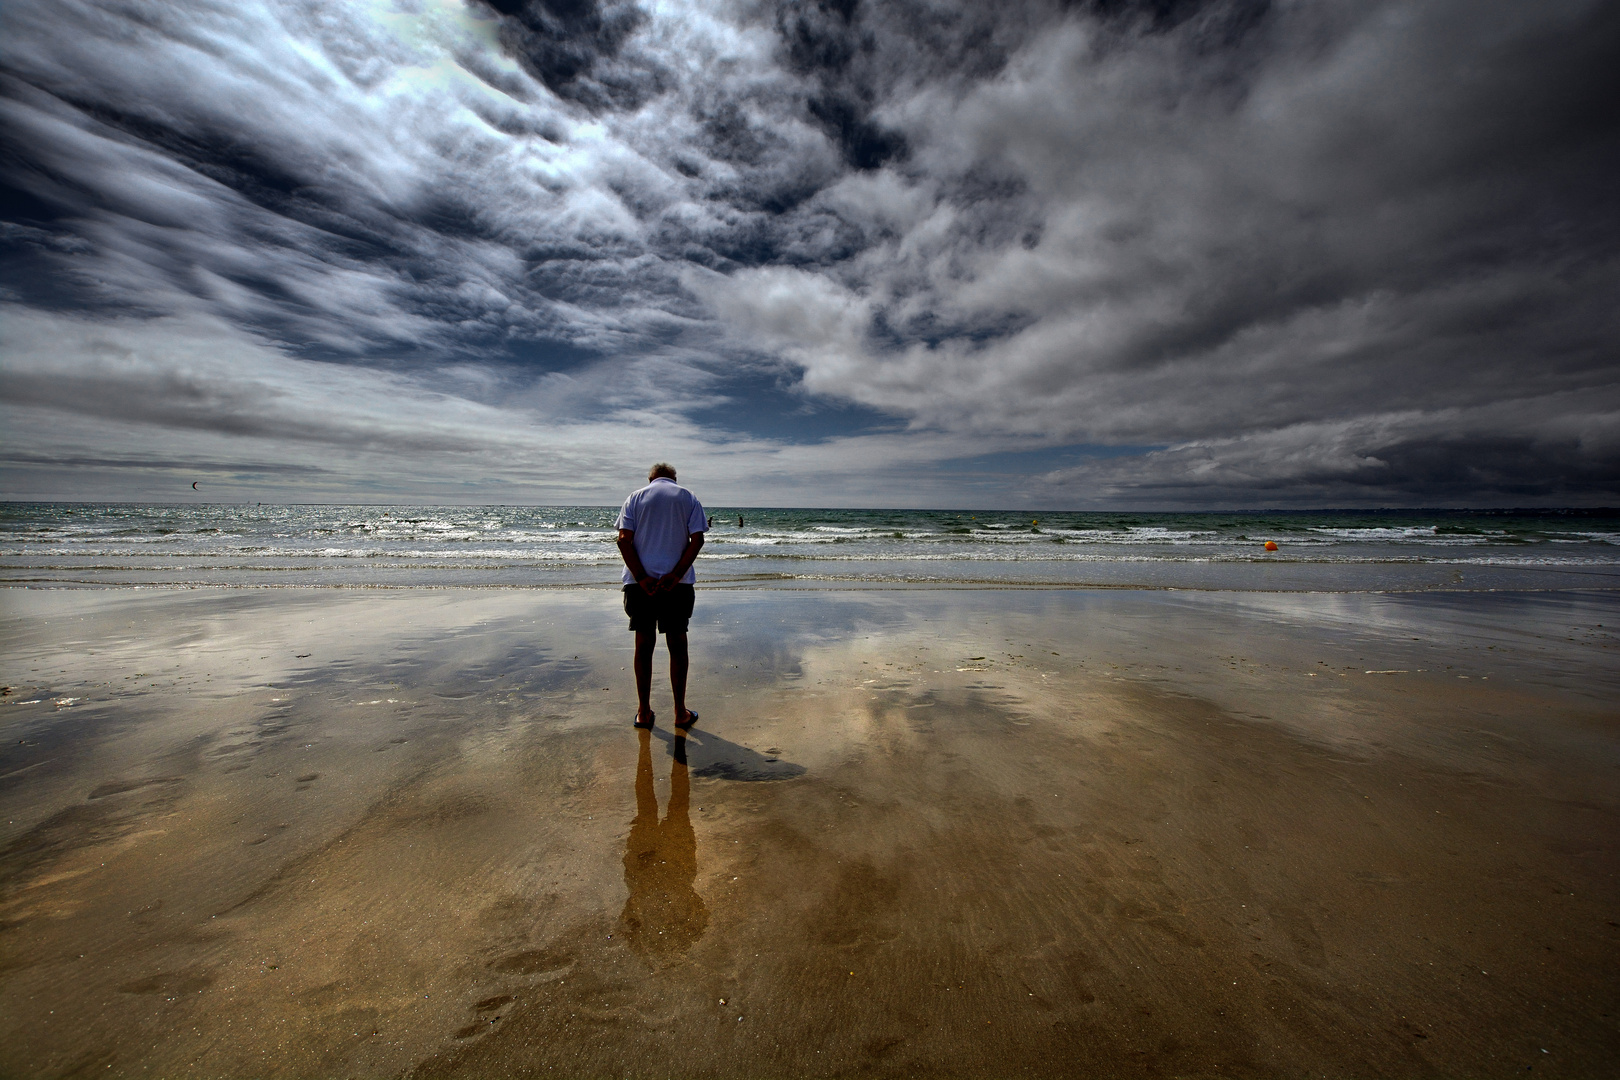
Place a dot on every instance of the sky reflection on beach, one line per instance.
(389, 833)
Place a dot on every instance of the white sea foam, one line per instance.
(398, 546)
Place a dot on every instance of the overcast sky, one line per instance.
(1157, 253)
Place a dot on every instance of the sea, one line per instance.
(78, 545)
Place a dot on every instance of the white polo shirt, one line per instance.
(662, 515)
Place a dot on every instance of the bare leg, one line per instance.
(678, 665)
(646, 640)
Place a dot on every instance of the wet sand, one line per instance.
(964, 833)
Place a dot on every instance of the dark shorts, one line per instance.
(662, 612)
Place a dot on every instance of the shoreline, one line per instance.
(827, 584)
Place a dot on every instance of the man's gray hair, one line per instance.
(663, 468)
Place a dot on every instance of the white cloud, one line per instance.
(137, 408)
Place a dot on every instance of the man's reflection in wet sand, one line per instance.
(664, 915)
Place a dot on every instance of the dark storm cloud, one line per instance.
(577, 49)
(287, 193)
(1557, 449)
(1231, 236)
(1330, 251)
(189, 401)
(179, 464)
(828, 43)
(1218, 23)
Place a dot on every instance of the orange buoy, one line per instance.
(1271, 545)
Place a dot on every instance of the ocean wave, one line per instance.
(499, 559)
(480, 543)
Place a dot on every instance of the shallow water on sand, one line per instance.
(315, 833)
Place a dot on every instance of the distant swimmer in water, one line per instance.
(739, 521)
(711, 521)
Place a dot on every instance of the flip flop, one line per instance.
(691, 718)
(652, 718)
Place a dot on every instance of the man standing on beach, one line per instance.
(660, 533)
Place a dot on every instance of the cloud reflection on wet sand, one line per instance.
(1070, 834)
